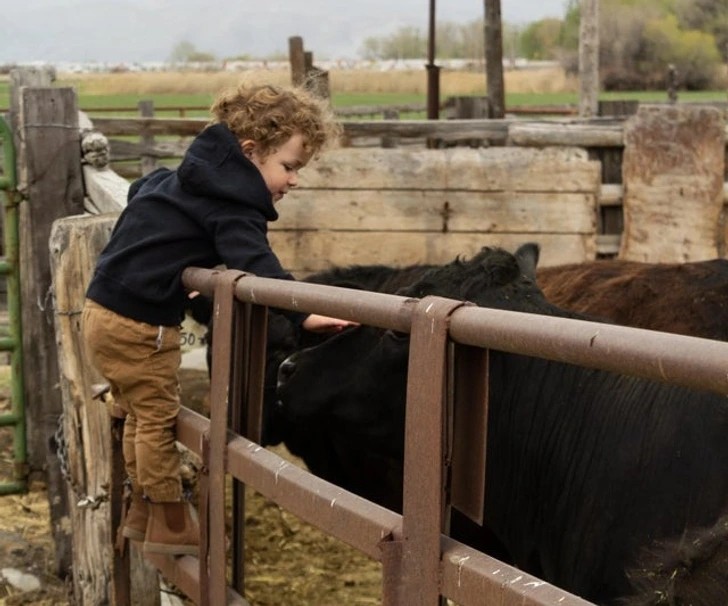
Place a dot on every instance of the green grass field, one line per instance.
(89, 101)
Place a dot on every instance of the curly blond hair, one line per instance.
(270, 115)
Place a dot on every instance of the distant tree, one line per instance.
(460, 41)
(512, 42)
(693, 53)
(709, 16)
(371, 48)
(540, 39)
(623, 57)
(202, 57)
(569, 37)
(568, 45)
(406, 43)
(185, 52)
(453, 41)
(241, 57)
(181, 52)
(472, 40)
(640, 38)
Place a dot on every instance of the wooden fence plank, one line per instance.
(486, 169)
(305, 252)
(75, 244)
(674, 162)
(436, 211)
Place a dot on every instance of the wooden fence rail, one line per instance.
(372, 111)
(163, 141)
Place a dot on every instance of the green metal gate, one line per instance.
(10, 331)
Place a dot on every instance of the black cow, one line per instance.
(611, 487)
(284, 339)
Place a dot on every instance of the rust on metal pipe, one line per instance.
(693, 362)
(224, 307)
(365, 525)
(424, 500)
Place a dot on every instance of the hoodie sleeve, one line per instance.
(242, 243)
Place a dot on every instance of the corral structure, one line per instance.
(409, 203)
(634, 187)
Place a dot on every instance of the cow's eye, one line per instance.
(396, 335)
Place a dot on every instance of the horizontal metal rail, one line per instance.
(692, 362)
(11, 336)
(367, 526)
(466, 575)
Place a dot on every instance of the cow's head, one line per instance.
(284, 339)
(357, 380)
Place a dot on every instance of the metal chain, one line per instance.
(84, 500)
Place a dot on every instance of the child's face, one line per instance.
(280, 167)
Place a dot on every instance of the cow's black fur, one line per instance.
(612, 487)
(284, 339)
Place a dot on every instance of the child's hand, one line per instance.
(316, 323)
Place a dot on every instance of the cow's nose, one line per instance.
(286, 370)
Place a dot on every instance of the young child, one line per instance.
(212, 210)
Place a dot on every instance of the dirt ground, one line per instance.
(287, 560)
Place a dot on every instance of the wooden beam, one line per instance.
(50, 166)
(589, 59)
(494, 58)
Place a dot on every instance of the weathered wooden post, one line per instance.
(49, 168)
(297, 59)
(494, 59)
(673, 174)
(100, 576)
(74, 246)
(304, 72)
(589, 58)
(148, 162)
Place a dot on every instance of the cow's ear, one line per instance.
(527, 256)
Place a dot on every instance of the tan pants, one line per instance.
(140, 362)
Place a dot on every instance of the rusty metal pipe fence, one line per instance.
(420, 563)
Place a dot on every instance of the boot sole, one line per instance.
(166, 549)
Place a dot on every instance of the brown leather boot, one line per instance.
(135, 523)
(173, 529)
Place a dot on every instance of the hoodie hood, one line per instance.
(215, 166)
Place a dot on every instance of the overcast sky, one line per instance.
(148, 30)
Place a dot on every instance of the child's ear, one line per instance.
(248, 146)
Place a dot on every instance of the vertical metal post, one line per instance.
(246, 398)
(424, 502)
(433, 71)
(212, 553)
(10, 266)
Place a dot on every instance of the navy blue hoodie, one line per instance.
(214, 209)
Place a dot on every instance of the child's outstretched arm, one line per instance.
(316, 323)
